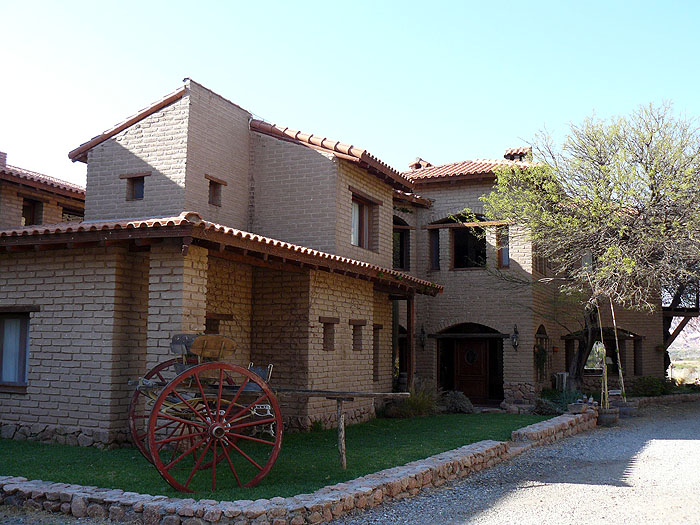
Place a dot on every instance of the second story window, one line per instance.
(468, 247)
(401, 254)
(361, 222)
(31, 212)
(216, 187)
(434, 248)
(503, 246)
(135, 188)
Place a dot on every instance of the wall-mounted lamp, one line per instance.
(421, 336)
(515, 338)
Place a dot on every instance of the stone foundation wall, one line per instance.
(519, 393)
(75, 436)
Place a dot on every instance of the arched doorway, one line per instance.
(470, 359)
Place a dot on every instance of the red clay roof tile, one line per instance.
(465, 170)
(41, 181)
(233, 235)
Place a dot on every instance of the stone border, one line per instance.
(323, 505)
(660, 400)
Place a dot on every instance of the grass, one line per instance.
(307, 462)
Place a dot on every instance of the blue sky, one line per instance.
(446, 81)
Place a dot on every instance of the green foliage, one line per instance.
(307, 462)
(624, 190)
(456, 402)
(650, 386)
(423, 401)
(317, 426)
(559, 400)
(540, 359)
(545, 407)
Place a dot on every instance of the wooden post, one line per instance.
(411, 337)
(341, 434)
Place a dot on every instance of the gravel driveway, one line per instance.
(647, 470)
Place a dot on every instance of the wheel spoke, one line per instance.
(200, 416)
(254, 423)
(180, 437)
(235, 398)
(185, 453)
(250, 438)
(246, 456)
(213, 468)
(204, 397)
(185, 421)
(196, 466)
(218, 398)
(264, 396)
(230, 464)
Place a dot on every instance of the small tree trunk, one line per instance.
(617, 351)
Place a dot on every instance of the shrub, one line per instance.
(423, 401)
(559, 400)
(457, 403)
(649, 386)
(545, 407)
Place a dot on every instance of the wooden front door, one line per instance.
(472, 369)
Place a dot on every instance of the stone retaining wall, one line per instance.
(323, 505)
(662, 400)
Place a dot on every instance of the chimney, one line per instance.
(519, 154)
(418, 164)
(3, 159)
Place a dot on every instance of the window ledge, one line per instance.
(470, 269)
(13, 389)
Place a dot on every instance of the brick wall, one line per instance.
(229, 292)
(280, 334)
(71, 363)
(11, 200)
(293, 193)
(381, 253)
(473, 295)
(177, 297)
(217, 145)
(344, 368)
(157, 144)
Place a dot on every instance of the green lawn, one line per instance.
(307, 462)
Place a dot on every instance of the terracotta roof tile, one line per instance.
(43, 181)
(345, 151)
(202, 227)
(522, 150)
(467, 169)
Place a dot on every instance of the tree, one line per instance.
(614, 210)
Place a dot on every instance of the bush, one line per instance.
(559, 400)
(456, 402)
(649, 386)
(423, 401)
(545, 407)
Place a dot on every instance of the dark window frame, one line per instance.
(376, 350)
(434, 249)
(364, 227)
(472, 259)
(401, 245)
(503, 246)
(135, 188)
(32, 211)
(22, 364)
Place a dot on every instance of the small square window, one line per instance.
(215, 193)
(31, 212)
(357, 337)
(135, 188)
(328, 337)
(212, 326)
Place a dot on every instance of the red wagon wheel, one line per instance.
(214, 416)
(140, 408)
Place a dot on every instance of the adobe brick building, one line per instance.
(164, 249)
(339, 286)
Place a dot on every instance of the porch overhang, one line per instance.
(222, 241)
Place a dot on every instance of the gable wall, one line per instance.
(157, 144)
(217, 145)
(292, 193)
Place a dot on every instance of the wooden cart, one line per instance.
(197, 414)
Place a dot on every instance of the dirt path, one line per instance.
(645, 471)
